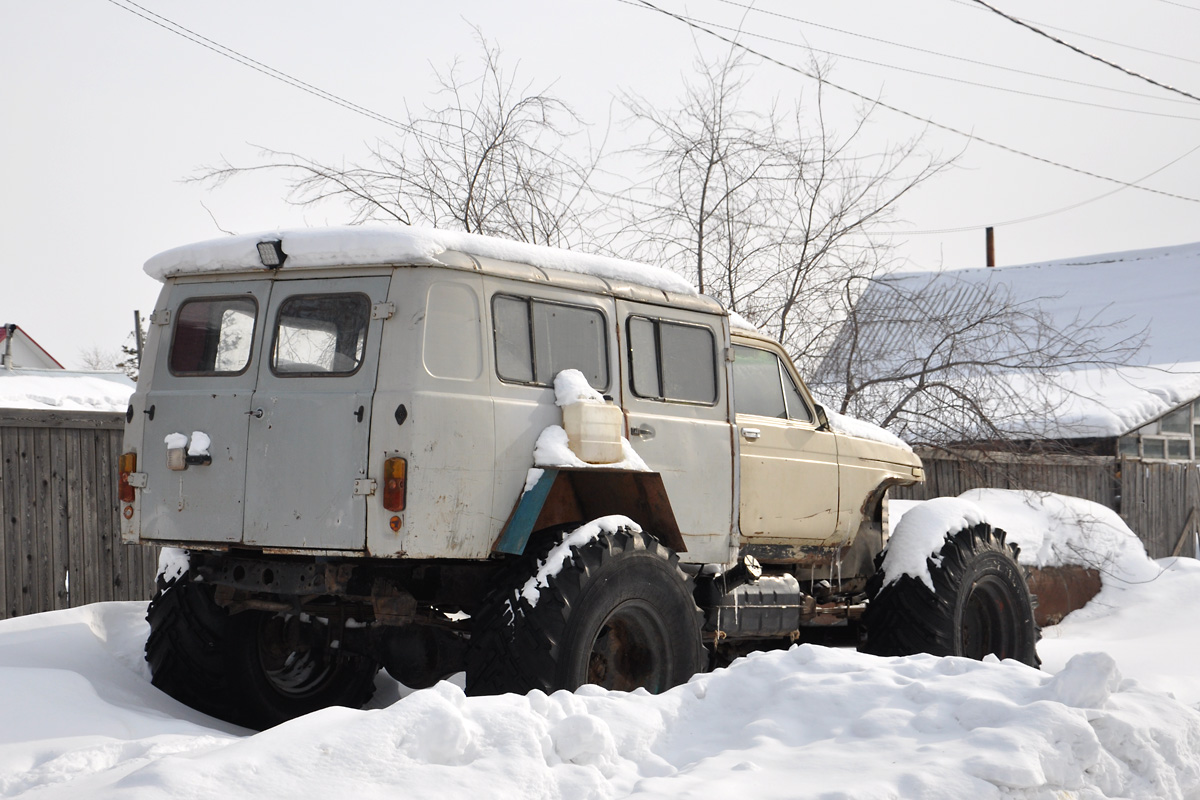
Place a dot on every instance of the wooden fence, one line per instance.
(60, 543)
(1160, 501)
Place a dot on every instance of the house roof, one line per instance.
(1153, 294)
(20, 336)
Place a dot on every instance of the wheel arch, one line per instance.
(563, 495)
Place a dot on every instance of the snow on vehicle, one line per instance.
(356, 437)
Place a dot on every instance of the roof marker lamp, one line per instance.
(271, 254)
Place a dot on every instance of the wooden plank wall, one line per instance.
(60, 543)
(1157, 501)
(1154, 498)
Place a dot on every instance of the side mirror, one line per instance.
(822, 418)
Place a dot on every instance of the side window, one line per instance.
(763, 386)
(672, 361)
(320, 334)
(535, 340)
(213, 336)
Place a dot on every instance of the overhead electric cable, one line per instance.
(952, 79)
(902, 112)
(1179, 5)
(1083, 52)
(1047, 26)
(952, 57)
(1044, 214)
(269, 71)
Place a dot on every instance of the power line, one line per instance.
(1044, 214)
(269, 71)
(953, 79)
(1160, 54)
(950, 56)
(902, 112)
(1082, 52)
(1179, 5)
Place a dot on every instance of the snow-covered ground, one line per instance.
(79, 719)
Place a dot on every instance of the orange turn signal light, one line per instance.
(126, 464)
(395, 474)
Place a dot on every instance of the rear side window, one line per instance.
(320, 334)
(672, 361)
(535, 340)
(213, 336)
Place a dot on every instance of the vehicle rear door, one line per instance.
(310, 419)
(203, 380)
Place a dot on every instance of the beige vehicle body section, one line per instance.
(438, 382)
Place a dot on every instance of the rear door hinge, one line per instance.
(137, 480)
(161, 317)
(383, 310)
(364, 487)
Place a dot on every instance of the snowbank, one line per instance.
(365, 245)
(78, 718)
(1052, 530)
(64, 390)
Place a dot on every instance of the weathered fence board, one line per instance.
(1156, 499)
(60, 543)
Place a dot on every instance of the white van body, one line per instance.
(339, 426)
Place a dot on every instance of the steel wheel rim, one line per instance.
(630, 651)
(289, 670)
(989, 625)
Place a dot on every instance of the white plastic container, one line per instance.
(594, 431)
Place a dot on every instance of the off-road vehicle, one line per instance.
(337, 428)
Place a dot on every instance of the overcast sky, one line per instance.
(105, 114)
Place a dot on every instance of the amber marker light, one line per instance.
(395, 470)
(126, 464)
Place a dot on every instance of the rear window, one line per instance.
(320, 335)
(213, 336)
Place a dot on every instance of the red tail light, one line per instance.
(395, 473)
(126, 464)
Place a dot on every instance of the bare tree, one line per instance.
(493, 159)
(773, 214)
(941, 359)
(97, 358)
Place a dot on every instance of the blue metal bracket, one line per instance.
(516, 533)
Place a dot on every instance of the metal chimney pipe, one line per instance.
(991, 247)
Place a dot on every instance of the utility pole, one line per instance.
(991, 247)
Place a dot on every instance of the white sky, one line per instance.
(104, 114)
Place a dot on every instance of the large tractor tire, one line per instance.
(980, 604)
(620, 614)
(253, 668)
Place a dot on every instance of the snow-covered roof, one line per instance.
(1157, 289)
(1122, 295)
(64, 390)
(367, 246)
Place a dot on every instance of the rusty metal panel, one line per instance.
(1061, 590)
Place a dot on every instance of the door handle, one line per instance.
(644, 432)
(256, 413)
(751, 434)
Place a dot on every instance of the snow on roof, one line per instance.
(366, 245)
(1157, 289)
(64, 390)
(1121, 294)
